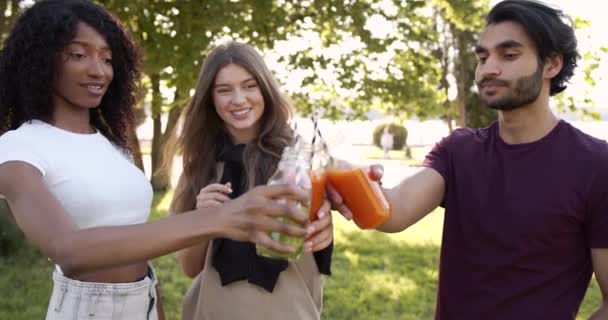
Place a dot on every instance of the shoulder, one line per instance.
(30, 143)
(25, 135)
(583, 142)
(588, 151)
(467, 136)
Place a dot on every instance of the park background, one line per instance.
(356, 65)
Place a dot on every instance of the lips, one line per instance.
(94, 88)
(493, 83)
(241, 113)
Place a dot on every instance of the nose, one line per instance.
(239, 97)
(96, 67)
(490, 68)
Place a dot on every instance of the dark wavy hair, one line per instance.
(202, 136)
(28, 66)
(549, 28)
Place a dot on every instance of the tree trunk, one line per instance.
(159, 182)
(166, 170)
(463, 70)
(442, 54)
(161, 172)
(133, 142)
(173, 118)
(450, 123)
(3, 24)
(15, 11)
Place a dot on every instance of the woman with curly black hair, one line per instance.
(68, 72)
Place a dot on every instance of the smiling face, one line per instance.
(85, 71)
(239, 102)
(509, 74)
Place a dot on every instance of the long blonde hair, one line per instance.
(199, 140)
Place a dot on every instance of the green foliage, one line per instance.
(575, 103)
(9, 11)
(11, 238)
(478, 115)
(399, 135)
(25, 285)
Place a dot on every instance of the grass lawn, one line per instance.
(375, 276)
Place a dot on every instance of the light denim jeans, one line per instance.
(78, 300)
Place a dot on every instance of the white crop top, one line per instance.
(95, 182)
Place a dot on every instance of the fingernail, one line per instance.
(322, 213)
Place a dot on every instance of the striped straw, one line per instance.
(295, 132)
(317, 132)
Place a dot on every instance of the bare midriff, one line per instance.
(128, 273)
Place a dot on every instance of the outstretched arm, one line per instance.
(411, 200)
(52, 230)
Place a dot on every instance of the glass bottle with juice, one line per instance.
(361, 195)
(318, 176)
(293, 168)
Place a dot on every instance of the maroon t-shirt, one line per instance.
(520, 222)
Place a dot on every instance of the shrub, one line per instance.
(399, 135)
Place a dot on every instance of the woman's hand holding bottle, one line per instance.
(321, 232)
(252, 216)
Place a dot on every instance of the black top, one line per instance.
(237, 260)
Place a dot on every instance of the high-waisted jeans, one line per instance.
(77, 300)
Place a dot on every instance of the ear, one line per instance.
(553, 65)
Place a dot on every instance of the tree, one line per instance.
(9, 11)
(405, 72)
(176, 36)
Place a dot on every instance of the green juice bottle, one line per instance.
(293, 168)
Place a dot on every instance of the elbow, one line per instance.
(70, 262)
(191, 274)
(192, 260)
(189, 267)
(190, 270)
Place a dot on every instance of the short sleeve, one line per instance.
(597, 212)
(438, 158)
(12, 148)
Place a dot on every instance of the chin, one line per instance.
(90, 105)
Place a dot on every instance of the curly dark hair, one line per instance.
(549, 31)
(28, 64)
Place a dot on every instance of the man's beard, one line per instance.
(527, 89)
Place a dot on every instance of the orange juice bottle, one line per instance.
(361, 195)
(318, 182)
(320, 160)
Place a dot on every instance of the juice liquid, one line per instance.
(362, 196)
(295, 242)
(318, 182)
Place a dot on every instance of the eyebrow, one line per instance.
(509, 44)
(227, 85)
(86, 44)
